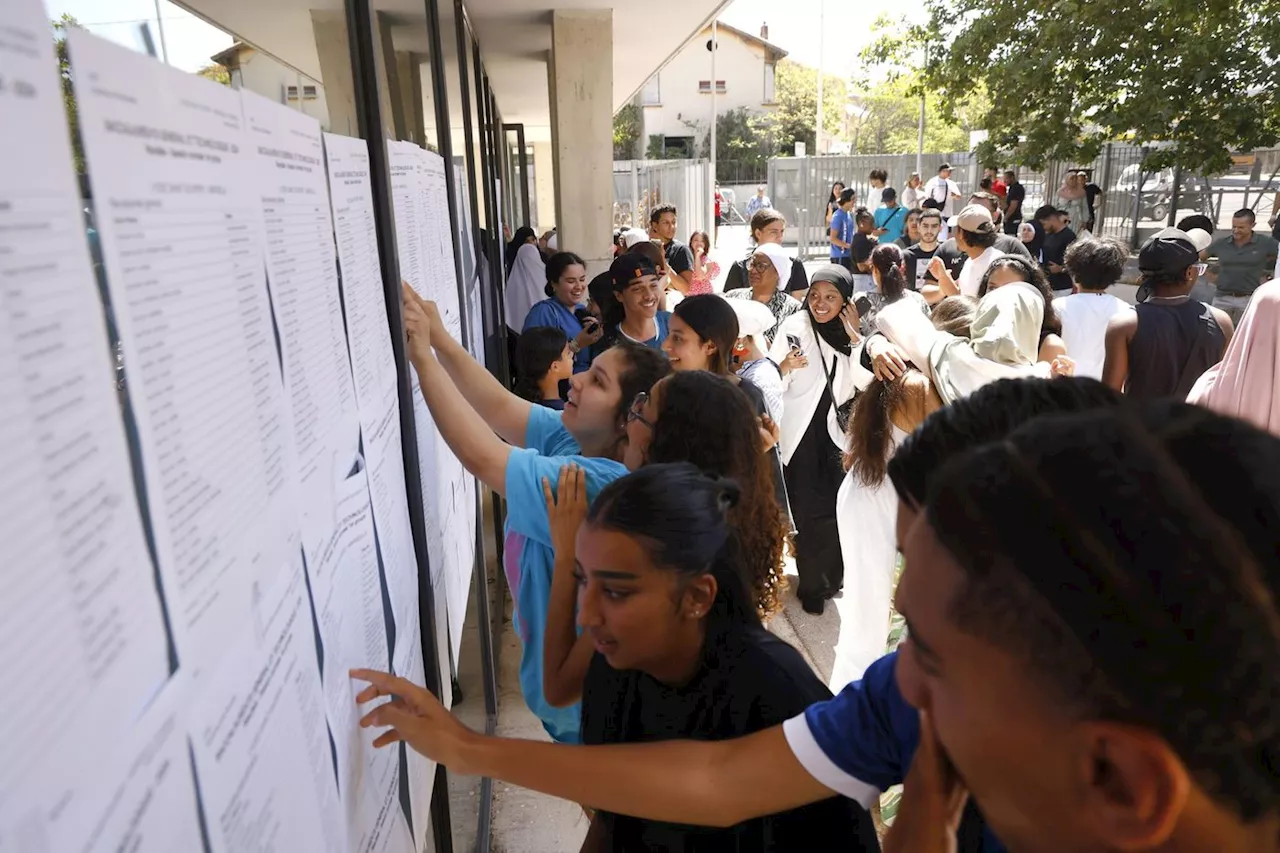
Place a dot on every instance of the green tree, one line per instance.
(626, 131)
(217, 73)
(796, 91)
(60, 27)
(1065, 76)
(891, 120)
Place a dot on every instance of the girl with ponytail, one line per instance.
(866, 507)
(890, 277)
(677, 649)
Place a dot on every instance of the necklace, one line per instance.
(1181, 298)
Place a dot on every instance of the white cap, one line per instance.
(633, 236)
(975, 217)
(754, 319)
(1200, 238)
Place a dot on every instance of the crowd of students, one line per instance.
(1090, 576)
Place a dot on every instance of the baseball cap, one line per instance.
(629, 267)
(1169, 250)
(974, 217)
(1200, 238)
(944, 166)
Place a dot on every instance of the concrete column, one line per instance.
(330, 30)
(581, 78)
(544, 170)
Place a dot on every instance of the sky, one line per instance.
(189, 40)
(846, 27)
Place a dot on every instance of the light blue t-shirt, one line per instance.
(528, 558)
(842, 224)
(893, 220)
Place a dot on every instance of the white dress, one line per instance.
(866, 518)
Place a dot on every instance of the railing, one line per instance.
(641, 185)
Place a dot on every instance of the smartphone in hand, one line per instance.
(793, 343)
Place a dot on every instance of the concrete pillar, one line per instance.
(581, 90)
(334, 51)
(544, 171)
(330, 29)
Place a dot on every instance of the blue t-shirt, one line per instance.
(842, 224)
(663, 320)
(528, 558)
(862, 741)
(893, 220)
(554, 313)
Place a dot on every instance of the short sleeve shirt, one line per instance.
(863, 246)
(892, 220)
(1018, 193)
(528, 557)
(679, 257)
(842, 224)
(1242, 267)
(916, 260)
(750, 681)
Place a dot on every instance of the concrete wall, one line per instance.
(261, 74)
(544, 206)
(687, 112)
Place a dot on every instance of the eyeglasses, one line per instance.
(761, 264)
(1200, 269)
(637, 406)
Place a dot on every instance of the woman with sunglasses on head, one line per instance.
(675, 649)
(821, 374)
(563, 308)
(701, 418)
(766, 269)
(767, 226)
(511, 445)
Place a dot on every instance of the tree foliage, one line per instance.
(60, 27)
(217, 73)
(796, 93)
(891, 121)
(1194, 79)
(627, 125)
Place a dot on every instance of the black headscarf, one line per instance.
(522, 236)
(833, 331)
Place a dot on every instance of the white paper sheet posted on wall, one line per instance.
(204, 519)
(80, 610)
(181, 228)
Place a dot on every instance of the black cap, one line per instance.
(834, 274)
(888, 194)
(629, 267)
(1170, 250)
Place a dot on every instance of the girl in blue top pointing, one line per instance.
(511, 444)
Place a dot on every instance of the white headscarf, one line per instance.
(633, 236)
(781, 260)
(754, 319)
(526, 285)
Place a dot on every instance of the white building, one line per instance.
(676, 100)
(258, 72)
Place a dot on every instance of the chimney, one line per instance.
(764, 31)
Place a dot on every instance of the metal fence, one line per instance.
(641, 185)
(1133, 205)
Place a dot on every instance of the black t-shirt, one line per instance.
(951, 256)
(1091, 191)
(750, 681)
(916, 260)
(1018, 193)
(679, 257)
(862, 247)
(1054, 252)
(736, 279)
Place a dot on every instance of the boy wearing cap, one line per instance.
(891, 217)
(1161, 347)
(636, 314)
(976, 237)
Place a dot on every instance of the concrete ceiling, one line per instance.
(514, 37)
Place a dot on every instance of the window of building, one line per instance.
(651, 96)
(769, 70)
(704, 87)
(308, 92)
